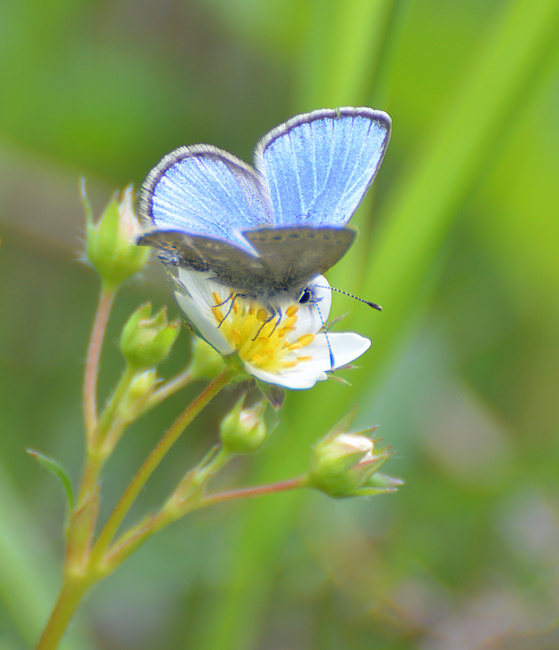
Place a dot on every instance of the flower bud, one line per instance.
(206, 362)
(111, 241)
(143, 385)
(146, 340)
(243, 430)
(139, 391)
(344, 465)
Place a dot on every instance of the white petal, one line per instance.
(355, 442)
(347, 346)
(296, 378)
(197, 304)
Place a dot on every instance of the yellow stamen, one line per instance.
(261, 336)
(217, 313)
(306, 339)
(285, 330)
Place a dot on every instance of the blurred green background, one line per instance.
(459, 243)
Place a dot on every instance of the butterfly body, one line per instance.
(271, 229)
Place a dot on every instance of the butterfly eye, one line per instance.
(305, 296)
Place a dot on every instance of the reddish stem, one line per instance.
(106, 299)
(252, 492)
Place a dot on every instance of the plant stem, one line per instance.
(108, 420)
(153, 460)
(169, 388)
(252, 492)
(185, 498)
(85, 567)
(134, 538)
(106, 299)
(70, 597)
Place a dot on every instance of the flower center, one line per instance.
(262, 338)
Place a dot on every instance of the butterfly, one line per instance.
(269, 229)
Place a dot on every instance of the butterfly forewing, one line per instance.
(318, 166)
(203, 190)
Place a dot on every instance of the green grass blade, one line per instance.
(406, 251)
(344, 46)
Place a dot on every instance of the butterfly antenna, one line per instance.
(315, 301)
(350, 295)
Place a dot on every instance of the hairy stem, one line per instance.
(153, 460)
(154, 522)
(252, 492)
(106, 299)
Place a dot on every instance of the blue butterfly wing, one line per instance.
(202, 190)
(318, 166)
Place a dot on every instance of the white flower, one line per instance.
(279, 340)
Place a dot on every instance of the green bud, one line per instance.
(111, 241)
(344, 464)
(379, 483)
(244, 430)
(206, 362)
(146, 340)
(139, 391)
(143, 385)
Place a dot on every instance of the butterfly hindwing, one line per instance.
(296, 255)
(318, 166)
(287, 258)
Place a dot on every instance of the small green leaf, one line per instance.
(57, 470)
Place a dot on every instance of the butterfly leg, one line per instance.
(232, 297)
(274, 313)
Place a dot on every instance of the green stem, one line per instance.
(106, 299)
(78, 533)
(109, 437)
(70, 597)
(184, 499)
(192, 485)
(108, 420)
(156, 456)
(83, 567)
(169, 388)
(134, 538)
